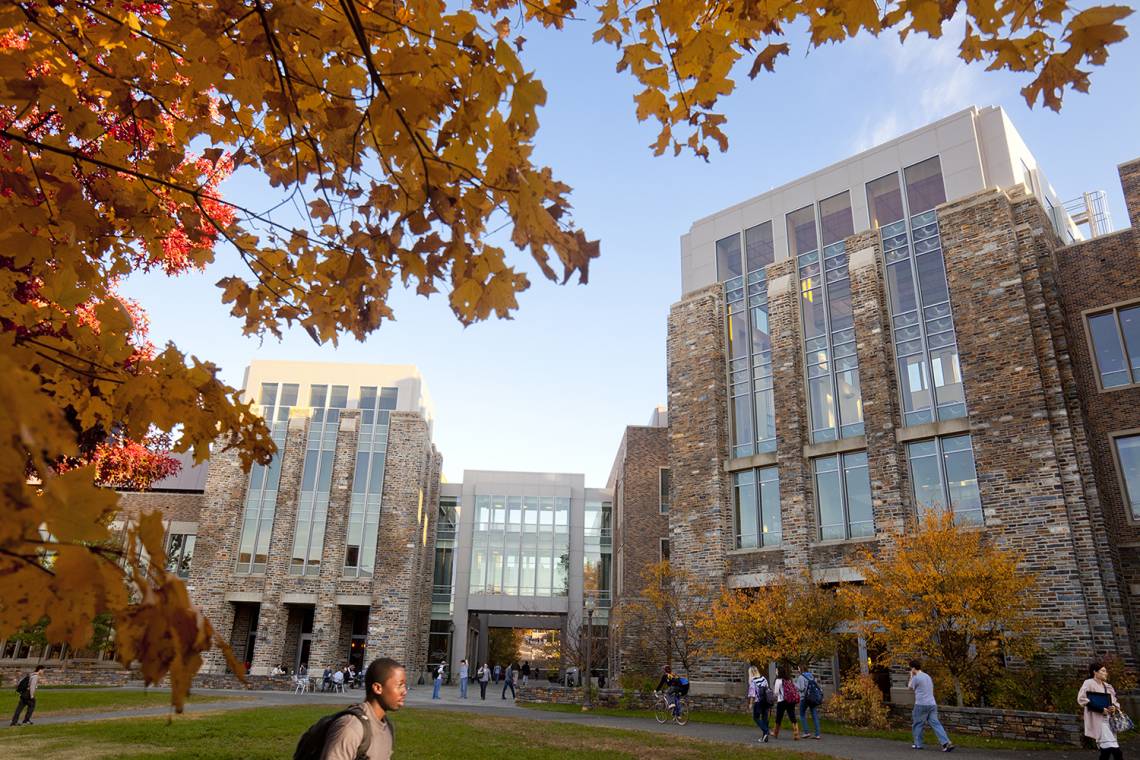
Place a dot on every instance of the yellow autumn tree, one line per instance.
(664, 618)
(950, 596)
(792, 621)
(404, 130)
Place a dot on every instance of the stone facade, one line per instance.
(639, 527)
(1040, 427)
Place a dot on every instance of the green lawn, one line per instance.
(828, 727)
(60, 700)
(264, 733)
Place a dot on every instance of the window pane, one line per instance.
(388, 398)
(759, 250)
(761, 339)
(368, 397)
(771, 525)
(1109, 352)
(860, 517)
(1130, 326)
(801, 231)
(738, 335)
(765, 415)
(1128, 451)
(962, 480)
(924, 188)
(914, 384)
(742, 420)
(900, 286)
(317, 396)
(928, 494)
(932, 278)
(746, 512)
(821, 400)
(835, 219)
(839, 305)
(947, 377)
(289, 394)
(850, 404)
(309, 478)
(268, 394)
(884, 201)
(829, 495)
(728, 264)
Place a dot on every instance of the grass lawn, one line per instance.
(264, 733)
(828, 727)
(61, 700)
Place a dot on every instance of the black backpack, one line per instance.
(24, 684)
(312, 742)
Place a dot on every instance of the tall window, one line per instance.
(1116, 345)
(835, 406)
(180, 553)
(749, 345)
(843, 496)
(943, 475)
(663, 549)
(756, 502)
(521, 545)
(312, 510)
(664, 483)
(261, 497)
(922, 325)
(1128, 458)
(597, 559)
(368, 481)
(442, 582)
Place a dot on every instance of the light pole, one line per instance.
(589, 635)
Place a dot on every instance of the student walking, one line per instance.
(463, 675)
(925, 708)
(787, 697)
(509, 680)
(1098, 699)
(438, 682)
(484, 677)
(525, 670)
(26, 688)
(498, 671)
(758, 700)
(363, 730)
(811, 697)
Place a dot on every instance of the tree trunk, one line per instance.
(957, 690)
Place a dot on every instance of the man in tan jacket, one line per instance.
(385, 687)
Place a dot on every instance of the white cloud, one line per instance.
(922, 81)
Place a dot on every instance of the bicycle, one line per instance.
(663, 710)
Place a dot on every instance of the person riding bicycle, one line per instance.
(678, 687)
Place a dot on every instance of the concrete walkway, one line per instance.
(852, 747)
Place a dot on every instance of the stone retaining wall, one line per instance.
(1054, 728)
(56, 675)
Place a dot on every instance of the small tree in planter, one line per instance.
(950, 596)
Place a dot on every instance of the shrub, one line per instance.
(859, 703)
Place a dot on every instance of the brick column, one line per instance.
(797, 511)
(391, 618)
(327, 615)
(273, 619)
(877, 384)
(219, 527)
(1007, 392)
(1130, 183)
(700, 520)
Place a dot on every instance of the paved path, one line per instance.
(851, 747)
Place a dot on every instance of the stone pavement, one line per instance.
(851, 747)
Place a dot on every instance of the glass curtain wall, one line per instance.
(446, 524)
(521, 546)
(325, 404)
(598, 558)
(834, 402)
(368, 481)
(276, 401)
(930, 379)
(749, 344)
(756, 503)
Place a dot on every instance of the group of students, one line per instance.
(784, 695)
(509, 674)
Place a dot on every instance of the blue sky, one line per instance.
(552, 389)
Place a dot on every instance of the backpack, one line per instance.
(791, 694)
(813, 693)
(312, 743)
(24, 684)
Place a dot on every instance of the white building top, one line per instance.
(978, 149)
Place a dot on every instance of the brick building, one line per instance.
(639, 481)
(889, 336)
